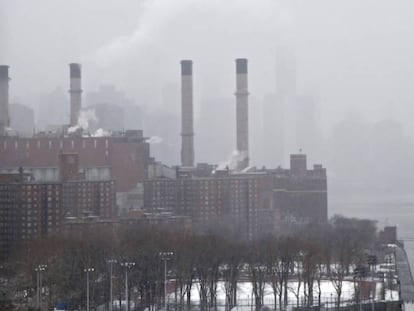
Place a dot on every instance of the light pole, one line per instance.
(127, 265)
(39, 269)
(165, 256)
(372, 261)
(111, 263)
(359, 273)
(87, 270)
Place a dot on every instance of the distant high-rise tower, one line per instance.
(4, 99)
(273, 127)
(75, 93)
(286, 92)
(242, 113)
(285, 71)
(308, 133)
(187, 123)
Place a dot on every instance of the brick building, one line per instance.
(300, 194)
(166, 222)
(249, 204)
(123, 157)
(95, 197)
(30, 209)
(81, 195)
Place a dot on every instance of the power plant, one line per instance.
(247, 201)
(123, 156)
(243, 201)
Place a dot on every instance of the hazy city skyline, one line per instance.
(350, 61)
(345, 63)
(206, 155)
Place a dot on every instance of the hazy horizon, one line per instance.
(352, 60)
(354, 55)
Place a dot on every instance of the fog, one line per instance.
(348, 64)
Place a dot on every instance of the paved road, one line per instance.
(408, 307)
(406, 278)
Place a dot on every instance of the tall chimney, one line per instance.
(75, 92)
(242, 114)
(187, 132)
(4, 99)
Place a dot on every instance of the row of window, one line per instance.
(50, 144)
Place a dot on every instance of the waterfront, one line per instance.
(387, 208)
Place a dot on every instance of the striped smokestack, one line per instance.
(242, 115)
(75, 92)
(187, 132)
(4, 99)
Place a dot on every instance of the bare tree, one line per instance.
(231, 271)
(348, 240)
(258, 269)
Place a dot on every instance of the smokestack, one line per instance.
(187, 132)
(75, 92)
(242, 114)
(4, 99)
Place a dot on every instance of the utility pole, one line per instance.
(165, 256)
(127, 265)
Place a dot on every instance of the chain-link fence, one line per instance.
(325, 303)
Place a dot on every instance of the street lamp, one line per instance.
(359, 273)
(39, 269)
(127, 265)
(87, 270)
(111, 263)
(165, 256)
(372, 261)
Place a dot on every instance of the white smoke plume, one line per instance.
(10, 131)
(168, 20)
(154, 140)
(232, 161)
(101, 133)
(85, 118)
(73, 129)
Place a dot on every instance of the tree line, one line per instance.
(313, 253)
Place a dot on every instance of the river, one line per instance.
(387, 208)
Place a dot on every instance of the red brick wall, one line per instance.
(127, 159)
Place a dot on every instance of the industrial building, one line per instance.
(248, 204)
(85, 170)
(242, 201)
(121, 156)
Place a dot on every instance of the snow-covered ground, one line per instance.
(329, 295)
(245, 299)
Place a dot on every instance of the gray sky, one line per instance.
(356, 55)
